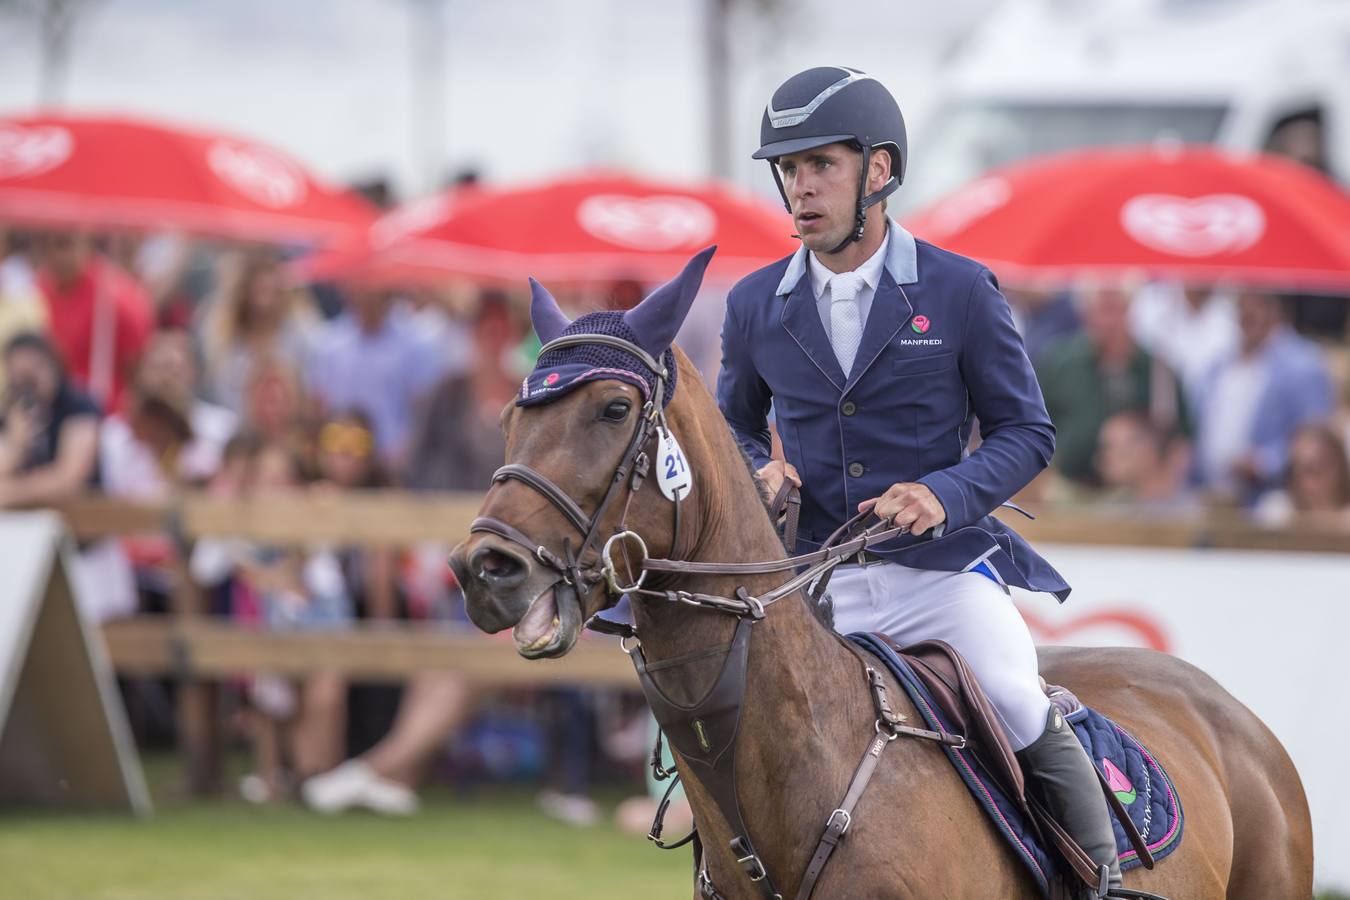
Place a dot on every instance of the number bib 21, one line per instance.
(672, 471)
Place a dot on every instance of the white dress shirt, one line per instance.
(871, 275)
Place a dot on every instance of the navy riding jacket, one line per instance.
(938, 351)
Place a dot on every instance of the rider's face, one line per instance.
(822, 189)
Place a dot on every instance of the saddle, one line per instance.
(956, 691)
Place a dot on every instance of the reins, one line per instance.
(704, 733)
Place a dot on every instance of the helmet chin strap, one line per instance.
(865, 201)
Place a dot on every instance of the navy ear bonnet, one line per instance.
(649, 326)
(560, 371)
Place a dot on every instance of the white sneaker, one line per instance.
(574, 809)
(255, 789)
(356, 784)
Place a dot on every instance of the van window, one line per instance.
(973, 137)
(1300, 136)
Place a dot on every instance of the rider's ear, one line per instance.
(547, 318)
(879, 169)
(656, 319)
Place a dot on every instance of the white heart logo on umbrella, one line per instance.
(263, 177)
(648, 223)
(25, 152)
(1194, 226)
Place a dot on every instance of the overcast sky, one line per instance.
(530, 87)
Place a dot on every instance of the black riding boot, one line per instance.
(1073, 795)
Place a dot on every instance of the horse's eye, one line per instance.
(617, 411)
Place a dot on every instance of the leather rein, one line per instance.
(705, 733)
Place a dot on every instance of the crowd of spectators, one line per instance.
(139, 367)
(1186, 400)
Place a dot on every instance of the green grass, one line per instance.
(495, 846)
(498, 846)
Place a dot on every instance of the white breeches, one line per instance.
(967, 610)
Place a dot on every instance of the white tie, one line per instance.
(845, 317)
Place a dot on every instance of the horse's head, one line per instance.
(584, 429)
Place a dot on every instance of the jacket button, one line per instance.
(855, 469)
(849, 408)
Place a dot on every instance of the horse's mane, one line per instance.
(823, 609)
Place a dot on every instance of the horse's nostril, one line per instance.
(494, 566)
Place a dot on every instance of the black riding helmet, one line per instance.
(833, 104)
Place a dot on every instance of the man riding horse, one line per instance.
(898, 348)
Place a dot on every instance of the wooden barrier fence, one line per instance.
(208, 648)
(198, 651)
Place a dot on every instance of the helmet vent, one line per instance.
(795, 115)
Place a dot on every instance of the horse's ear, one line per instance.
(656, 319)
(547, 318)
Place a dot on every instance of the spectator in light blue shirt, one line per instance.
(1256, 397)
(376, 359)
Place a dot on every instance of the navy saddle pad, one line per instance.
(1137, 779)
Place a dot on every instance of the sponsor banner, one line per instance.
(1270, 627)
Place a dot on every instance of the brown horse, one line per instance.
(807, 714)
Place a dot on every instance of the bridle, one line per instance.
(705, 733)
(632, 471)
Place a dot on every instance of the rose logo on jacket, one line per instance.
(552, 378)
(921, 324)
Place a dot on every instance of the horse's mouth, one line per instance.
(551, 625)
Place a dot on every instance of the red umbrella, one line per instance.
(587, 228)
(123, 173)
(1194, 214)
(363, 258)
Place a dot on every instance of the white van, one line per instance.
(1037, 76)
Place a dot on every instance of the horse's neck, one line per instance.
(726, 523)
(790, 650)
(806, 715)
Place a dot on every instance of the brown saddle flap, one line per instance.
(959, 695)
(969, 711)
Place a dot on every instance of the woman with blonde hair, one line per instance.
(253, 315)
